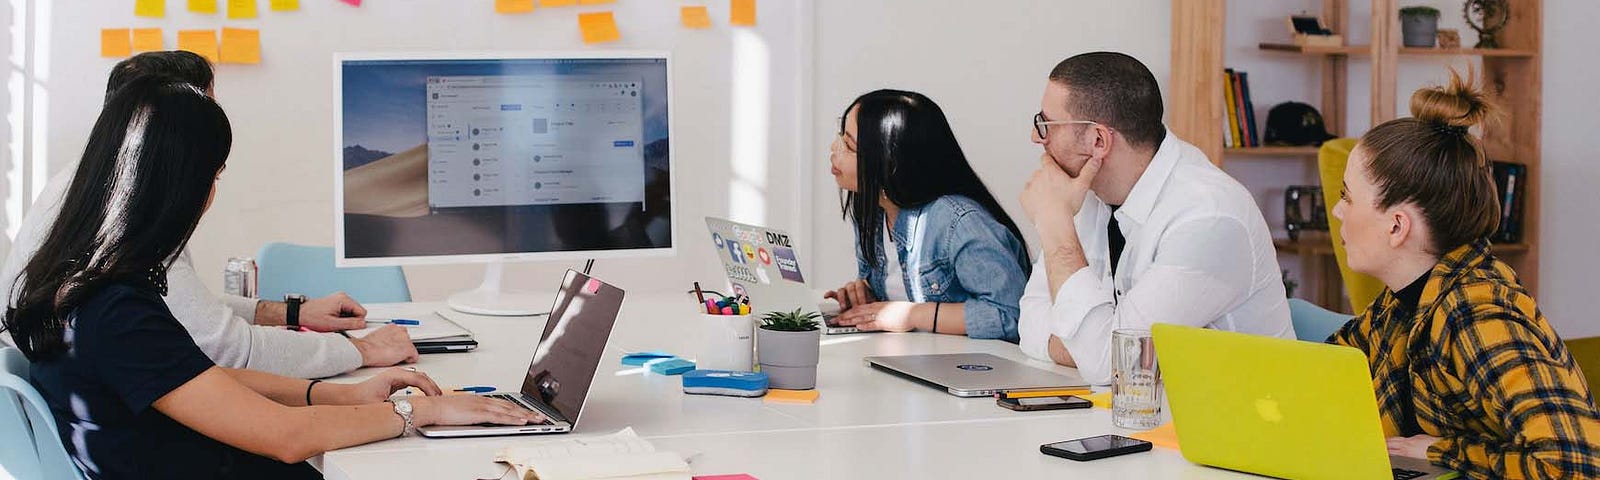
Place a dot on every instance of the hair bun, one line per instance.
(1457, 105)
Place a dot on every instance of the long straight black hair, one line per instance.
(906, 151)
(136, 198)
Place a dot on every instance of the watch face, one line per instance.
(404, 406)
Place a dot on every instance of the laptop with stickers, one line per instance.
(764, 264)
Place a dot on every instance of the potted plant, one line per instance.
(787, 346)
(1419, 26)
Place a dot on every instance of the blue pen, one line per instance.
(397, 321)
(474, 389)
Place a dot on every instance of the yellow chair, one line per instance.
(1331, 160)
(1586, 351)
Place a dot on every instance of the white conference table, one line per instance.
(866, 424)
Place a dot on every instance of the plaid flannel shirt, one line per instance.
(1487, 374)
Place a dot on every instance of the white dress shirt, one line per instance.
(220, 326)
(1198, 253)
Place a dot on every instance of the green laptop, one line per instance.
(1276, 407)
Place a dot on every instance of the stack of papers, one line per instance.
(619, 456)
(432, 327)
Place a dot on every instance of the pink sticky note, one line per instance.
(593, 287)
(738, 476)
(356, 3)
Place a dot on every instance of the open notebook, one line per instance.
(618, 456)
(432, 327)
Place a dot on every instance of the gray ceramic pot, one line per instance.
(789, 358)
(1419, 29)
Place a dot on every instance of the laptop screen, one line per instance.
(574, 338)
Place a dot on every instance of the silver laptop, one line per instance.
(564, 362)
(764, 264)
(973, 374)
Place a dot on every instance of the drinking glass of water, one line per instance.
(1136, 380)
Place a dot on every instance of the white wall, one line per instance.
(1570, 226)
(738, 108)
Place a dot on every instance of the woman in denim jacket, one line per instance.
(934, 250)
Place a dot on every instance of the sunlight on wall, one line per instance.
(27, 118)
(752, 85)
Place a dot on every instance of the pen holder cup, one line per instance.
(724, 342)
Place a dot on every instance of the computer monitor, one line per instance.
(496, 157)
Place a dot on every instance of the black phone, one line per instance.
(1065, 402)
(1095, 448)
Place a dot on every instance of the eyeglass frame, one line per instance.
(1040, 124)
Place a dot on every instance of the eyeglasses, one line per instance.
(1041, 126)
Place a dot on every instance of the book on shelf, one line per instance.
(1239, 127)
(1511, 183)
(1249, 110)
(1232, 111)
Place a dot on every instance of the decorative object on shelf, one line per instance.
(1303, 210)
(1488, 17)
(1311, 31)
(1449, 38)
(1295, 123)
(1419, 26)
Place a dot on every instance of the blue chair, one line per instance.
(288, 268)
(1313, 323)
(33, 448)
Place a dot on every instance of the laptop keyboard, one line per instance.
(1403, 474)
(518, 402)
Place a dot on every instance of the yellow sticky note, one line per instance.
(557, 3)
(201, 42)
(150, 8)
(805, 397)
(238, 9)
(241, 45)
(696, 17)
(513, 6)
(599, 27)
(743, 13)
(147, 40)
(1101, 400)
(595, 2)
(1164, 436)
(203, 6)
(114, 42)
(284, 5)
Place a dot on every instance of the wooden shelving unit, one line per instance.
(1511, 75)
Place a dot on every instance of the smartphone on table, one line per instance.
(1095, 448)
(1066, 402)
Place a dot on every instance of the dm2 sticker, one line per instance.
(788, 266)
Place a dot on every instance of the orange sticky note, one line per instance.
(147, 40)
(513, 6)
(806, 397)
(284, 5)
(241, 45)
(150, 8)
(696, 17)
(1101, 400)
(595, 2)
(743, 13)
(201, 42)
(1164, 436)
(203, 6)
(238, 9)
(114, 42)
(599, 27)
(557, 3)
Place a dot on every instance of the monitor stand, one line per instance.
(490, 299)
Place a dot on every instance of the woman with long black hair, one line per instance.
(132, 395)
(934, 250)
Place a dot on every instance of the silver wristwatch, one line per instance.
(402, 407)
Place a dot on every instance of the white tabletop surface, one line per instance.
(866, 424)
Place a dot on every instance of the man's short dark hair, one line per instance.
(1114, 90)
(183, 66)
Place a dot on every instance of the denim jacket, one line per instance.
(957, 253)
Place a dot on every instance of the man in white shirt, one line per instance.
(1138, 227)
(235, 332)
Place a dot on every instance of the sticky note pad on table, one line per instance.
(1101, 400)
(147, 40)
(114, 42)
(513, 6)
(557, 3)
(804, 397)
(598, 27)
(595, 2)
(696, 17)
(240, 9)
(737, 476)
(150, 8)
(354, 3)
(674, 366)
(203, 6)
(284, 5)
(640, 358)
(201, 42)
(743, 13)
(1164, 436)
(241, 45)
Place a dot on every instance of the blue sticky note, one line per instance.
(638, 359)
(671, 367)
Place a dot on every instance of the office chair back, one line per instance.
(27, 428)
(288, 268)
(1313, 323)
(1332, 159)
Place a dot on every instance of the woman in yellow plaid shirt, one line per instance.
(1468, 374)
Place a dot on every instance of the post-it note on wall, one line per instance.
(114, 42)
(284, 5)
(241, 45)
(203, 6)
(147, 40)
(201, 42)
(150, 8)
(599, 27)
(513, 6)
(238, 9)
(557, 3)
(743, 13)
(696, 17)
